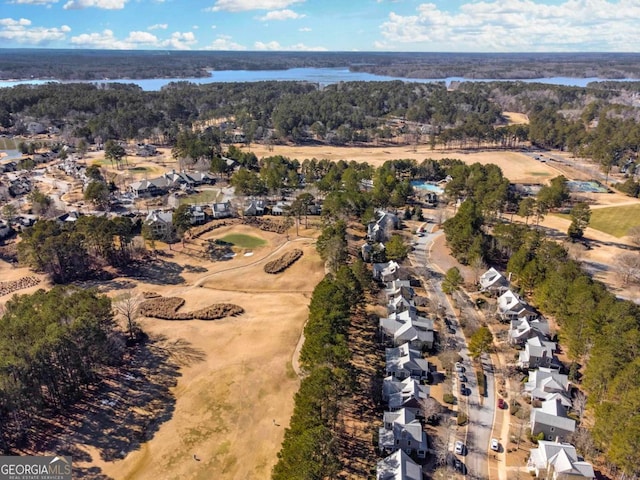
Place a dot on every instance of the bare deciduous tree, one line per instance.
(628, 267)
(128, 306)
(431, 410)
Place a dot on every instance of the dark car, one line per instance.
(463, 388)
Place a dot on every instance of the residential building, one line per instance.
(386, 272)
(492, 281)
(221, 210)
(402, 431)
(551, 420)
(403, 362)
(522, 329)
(408, 327)
(398, 466)
(511, 306)
(408, 393)
(537, 353)
(380, 230)
(160, 224)
(558, 461)
(548, 383)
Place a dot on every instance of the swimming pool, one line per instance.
(427, 186)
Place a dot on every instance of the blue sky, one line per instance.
(365, 25)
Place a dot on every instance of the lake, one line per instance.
(322, 76)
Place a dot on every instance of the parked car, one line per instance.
(501, 403)
(462, 377)
(459, 449)
(459, 367)
(463, 388)
(495, 445)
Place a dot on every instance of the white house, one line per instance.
(558, 461)
(408, 393)
(398, 466)
(522, 329)
(386, 272)
(548, 383)
(493, 281)
(511, 306)
(160, 224)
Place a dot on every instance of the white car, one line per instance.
(495, 446)
(459, 449)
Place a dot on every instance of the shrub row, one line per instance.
(166, 308)
(284, 262)
(20, 284)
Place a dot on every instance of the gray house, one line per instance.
(380, 230)
(407, 327)
(551, 419)
(537, 353)
(402, 431)
(522, 329)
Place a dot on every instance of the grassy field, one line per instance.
(8, 144)
(243, 241)
(205, 196)
(615, 221)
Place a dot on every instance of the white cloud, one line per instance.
(33, 2)
(273, 45)
(304, 29)
(180, 41)
(224, 42)
(158, 26)
(20, 31)
(244, 5)
(136, 39)
(104, 4)
(280, 15)
(517, 25)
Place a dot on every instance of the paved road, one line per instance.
(480, 411)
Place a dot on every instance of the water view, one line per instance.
(321, 76)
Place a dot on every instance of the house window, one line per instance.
(552, 429)
(398, 442)
(409, 443)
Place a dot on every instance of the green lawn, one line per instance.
(8, 144)
(243, 241)
(615, 221)
(205, 196)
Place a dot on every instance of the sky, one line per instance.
(324, 25)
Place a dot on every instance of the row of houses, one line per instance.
(547, 387)
(170, 181)
(404, 388)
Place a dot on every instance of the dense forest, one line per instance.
(52, 348)
(101, 64)
(601, 123)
